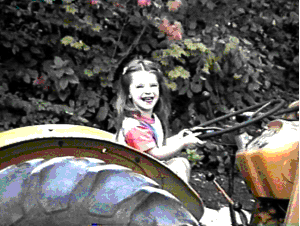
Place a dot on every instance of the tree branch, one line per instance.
(134, 44)
(119, 38)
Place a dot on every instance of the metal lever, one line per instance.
(237, 206)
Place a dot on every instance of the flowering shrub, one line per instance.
(174, 32)
(93, 2)
(143, 3)
(174, 5)
(60, 62)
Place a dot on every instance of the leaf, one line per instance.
(97, 69)
(220, 159)
(184, 89)
(88, 72)
(146, 48)
(52, 97)
(32, 73)
(81, 110)
(211, 5)
(226, 68)
(111, 123)
(218, 69)
(103, 112)
(294, 84)
(69, 71)
(208, 86)
(72, 8)
(267, 84)
(175, 51)
(245, 78)
(67, 40)
(153, 42)
(253, 86)
(22, 42)
(63, 83)
(177, 72)
(205, 69)
(24, 119)
(231, 45)
(84, 120)
(91, 103)
(249, 99)
(6, 44)
(32, 63)
(72, 79)
(26, 78)
(189, 94)
(238, 76)
(210, 146)
(63, 95)
(15, 49)
(59, 73)
(221, 169)
(72, 103)
(196, 85)
(59, 63)
(244, 28)
(193, 25)
(212, 159)
(67, 109)
(35, 50)
(227, 161)
(237, 61)
(171, 85)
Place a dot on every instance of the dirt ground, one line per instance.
(213, 199)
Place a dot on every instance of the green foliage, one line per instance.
(60, 63)
(194, 157)
(68, 40)
(177, 72)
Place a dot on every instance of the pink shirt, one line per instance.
(142, 133)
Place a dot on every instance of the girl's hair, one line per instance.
(125, 106)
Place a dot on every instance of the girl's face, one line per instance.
(144, 90)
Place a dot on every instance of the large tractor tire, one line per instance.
(84, 191)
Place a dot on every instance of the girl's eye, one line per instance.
(154, 85)
(140, 86)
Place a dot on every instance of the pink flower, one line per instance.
(174, 5)
(93, 2)
(118, 5)
(176, 35)
(163, 27)
(143, 3)
(39, 81)
(174, 32)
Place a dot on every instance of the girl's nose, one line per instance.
(147, 90)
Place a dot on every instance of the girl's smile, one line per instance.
(144, 91)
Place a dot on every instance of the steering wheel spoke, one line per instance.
(257, 116)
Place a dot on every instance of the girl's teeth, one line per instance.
(147, 98)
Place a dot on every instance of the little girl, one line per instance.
(142, 120)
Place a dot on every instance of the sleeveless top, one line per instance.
(141, 133)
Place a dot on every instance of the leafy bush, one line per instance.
(61, 59)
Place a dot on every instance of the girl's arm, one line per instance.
(180, 135)
(174, 145)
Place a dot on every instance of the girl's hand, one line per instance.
(190, 140)
(184, 132)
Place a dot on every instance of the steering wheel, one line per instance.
(254, 118)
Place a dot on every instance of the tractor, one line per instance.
(77, 175)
